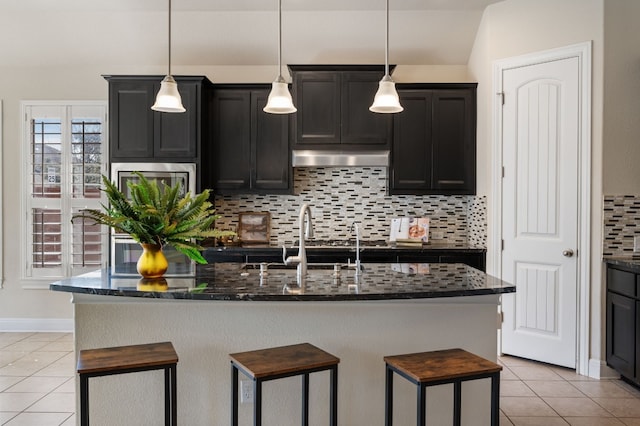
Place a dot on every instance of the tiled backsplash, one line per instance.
(621, 224)
(339, 196)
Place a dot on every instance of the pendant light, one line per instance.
(386, 100)
(168, 98)
(279, 101)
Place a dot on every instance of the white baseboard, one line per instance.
(36, 325)
(599, 369)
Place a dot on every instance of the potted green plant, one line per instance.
(156, 216)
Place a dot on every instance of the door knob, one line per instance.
(567, 253)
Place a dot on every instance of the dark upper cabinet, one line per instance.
(137, 133)
(270, 159)
(317, 97)
(434, 140)
(412, 143)
(250, 146)
(231, 140)
(333, 108)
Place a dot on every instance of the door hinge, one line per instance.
(502, 245)
(501, 94)
(503, 172)
(501, 317)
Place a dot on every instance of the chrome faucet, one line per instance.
(356, 228)
(306, 231)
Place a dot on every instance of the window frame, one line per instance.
(1, 206)
(41, 277)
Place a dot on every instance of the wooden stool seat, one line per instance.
(129, 359)
(276, 363)
(439, 367)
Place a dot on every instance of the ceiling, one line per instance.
(246, 5)
(133, 33)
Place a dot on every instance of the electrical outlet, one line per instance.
(636, 243)
(246, 391)
(437, 235)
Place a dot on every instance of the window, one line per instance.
(65, 154)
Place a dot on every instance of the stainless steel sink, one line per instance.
(263, 267)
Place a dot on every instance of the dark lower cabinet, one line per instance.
(250, 146)
(621, 339)
(434, 140)
(137, 133)
(474, 258)
(623, 321)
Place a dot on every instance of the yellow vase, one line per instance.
(152, 263)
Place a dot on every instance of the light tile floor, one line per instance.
(37, 388)
(537, 394)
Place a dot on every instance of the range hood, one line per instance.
(325, 158)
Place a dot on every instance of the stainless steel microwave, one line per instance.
(169, 173)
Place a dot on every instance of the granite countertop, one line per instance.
(628, 261)
(235, 282)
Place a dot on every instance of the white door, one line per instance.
(540, 211)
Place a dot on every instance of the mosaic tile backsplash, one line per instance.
(621, 223)
(340, 196)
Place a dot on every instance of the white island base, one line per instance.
(359, 333)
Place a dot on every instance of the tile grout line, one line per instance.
(563, 379)
(51, 362)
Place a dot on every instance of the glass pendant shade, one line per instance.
(279, 101)
(168, 98)
(386, 100)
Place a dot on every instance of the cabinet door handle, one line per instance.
(567, 253)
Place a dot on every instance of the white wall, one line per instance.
(517, 27)
(621, 112)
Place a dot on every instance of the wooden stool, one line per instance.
(130, 359)
(280, 362)
(440, 367)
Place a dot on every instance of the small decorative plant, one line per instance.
(159, 216)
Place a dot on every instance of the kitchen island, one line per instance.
(387, 309)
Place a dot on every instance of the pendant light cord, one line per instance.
(169, 73)
(280, 40)
(386, 44)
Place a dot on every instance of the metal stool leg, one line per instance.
(167, 396)
(495, 399)
(84, 400)
(422, 404)
(388, 397)
(333, 421)
(174, 395)
(305, 399)
(457, 402)
(234, 395)
(257, 403)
